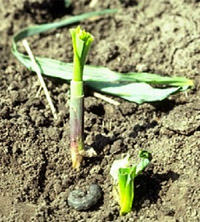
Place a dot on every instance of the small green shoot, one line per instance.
(123, 179)
(81, 41)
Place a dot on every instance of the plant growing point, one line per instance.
(123, 179)
(81, 41)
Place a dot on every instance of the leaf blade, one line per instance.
(97, 77)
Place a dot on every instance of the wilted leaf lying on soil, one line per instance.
(130, 86)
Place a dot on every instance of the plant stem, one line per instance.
(76, 122)
(81, 41)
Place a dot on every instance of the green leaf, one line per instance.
(134, 92)
(32, 30)
(123, 179)
(146, 158)
(117, 164)
(101, 78)
(157, 79)
(126, 188)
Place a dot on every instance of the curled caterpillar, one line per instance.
(80, 200)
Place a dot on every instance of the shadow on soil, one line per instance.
(164, 106)
(148, 187)
(139, 128)
(101, 141)
(53, 9)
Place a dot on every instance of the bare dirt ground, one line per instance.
(35, 168)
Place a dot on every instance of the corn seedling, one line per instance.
(81, 41)
(123, 179)
(131, 86)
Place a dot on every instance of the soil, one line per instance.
(35, 170)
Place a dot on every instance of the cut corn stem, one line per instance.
(81, 41)
(76, 123)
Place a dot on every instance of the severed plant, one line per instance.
(81, 41)
(132, 86)
(124, 174)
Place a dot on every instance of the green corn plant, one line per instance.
(123, 179)
(132, 86)
(81, 41)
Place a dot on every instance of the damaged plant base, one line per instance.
(77, 148)
(77, 157)
(76, 123)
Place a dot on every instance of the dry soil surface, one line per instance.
(36, 177)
